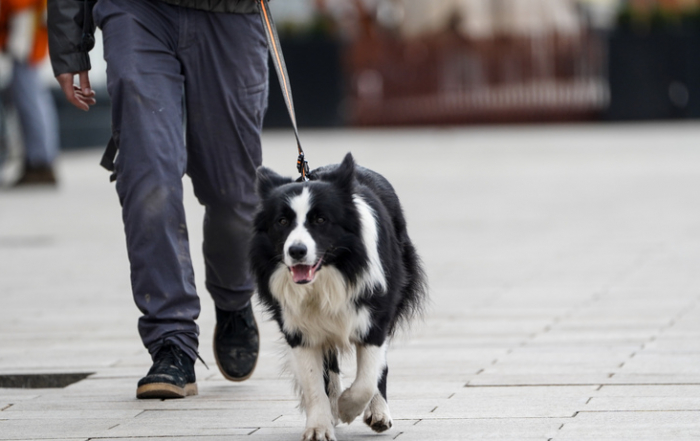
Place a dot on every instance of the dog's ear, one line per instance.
(268, 180)
(344, 175)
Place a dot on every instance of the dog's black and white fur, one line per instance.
(335, 267)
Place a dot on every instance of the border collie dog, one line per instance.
(335, 268)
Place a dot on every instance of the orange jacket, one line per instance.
(10, 7)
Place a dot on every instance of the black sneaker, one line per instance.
(236, 343)
(171, 376)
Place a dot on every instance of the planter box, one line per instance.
(315, 72)
(654, 75)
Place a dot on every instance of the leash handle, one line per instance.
(273, 42)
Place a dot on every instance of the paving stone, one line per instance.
(508, 367)
(632, 425)
(684, 391)
(250, 390)
(53, 439)
(77, 406)
(509, 407)
(615, 404)
(228, 437)
(670, 437)
(539, 380)
(14, 395)
(525, 392)
(649, 363)
(444, 339)
(355, 431)
(573, 359)
(670, 378)
(15, 413)
(241, 421)
(408, 388)
(178, 428)
(497, 428)
(400, 409)
(50, 428)
(689, 343)
(603, 337)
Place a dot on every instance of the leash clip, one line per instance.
(303, 167)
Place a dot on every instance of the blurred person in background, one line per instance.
(188, 81)
(23, 42)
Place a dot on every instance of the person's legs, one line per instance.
(37, 114)
(145, 83)
(225, 66)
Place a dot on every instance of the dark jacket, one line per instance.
(71, 28)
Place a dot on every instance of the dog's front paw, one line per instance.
(378, 422)
(377, 415)
(319, 434)
(351, 404)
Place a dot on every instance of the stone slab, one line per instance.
(50, 428)
(479, 429)
(616, 404)
(534, 379)
(15, 413)
(509, 407)
(632, 425)
(524, 392)
(654, 390)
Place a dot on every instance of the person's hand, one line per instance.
(81, 97)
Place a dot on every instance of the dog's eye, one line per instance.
(283, 221)
(320, 220)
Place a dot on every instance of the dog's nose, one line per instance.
(297, 251)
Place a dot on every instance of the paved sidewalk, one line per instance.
(565, 276)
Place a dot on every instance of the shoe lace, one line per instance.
(202, 360)
(171, 355)
(239, 323)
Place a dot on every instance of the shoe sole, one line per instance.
(166, 390)
(227, 376)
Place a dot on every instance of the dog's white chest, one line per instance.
(324, 312)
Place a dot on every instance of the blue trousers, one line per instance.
(189, 93)
(37, 114)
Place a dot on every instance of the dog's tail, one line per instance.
(415, 292)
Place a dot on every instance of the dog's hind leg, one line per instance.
(377, 414)
(371, 361)
(307, 364)
(333, 383)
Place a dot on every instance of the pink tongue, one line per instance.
(303, 273)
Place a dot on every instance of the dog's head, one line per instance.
(306, 225)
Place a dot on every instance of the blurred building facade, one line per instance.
(454, 61)
(464, 61)
(461, 61)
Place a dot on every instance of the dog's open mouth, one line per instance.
(305, 273)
